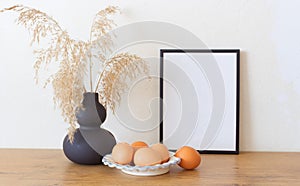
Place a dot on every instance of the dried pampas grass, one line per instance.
(116, 72)
(75, 59)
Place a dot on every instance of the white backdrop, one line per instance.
(265, 32)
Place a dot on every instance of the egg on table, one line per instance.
(190, 158)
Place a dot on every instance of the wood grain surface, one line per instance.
(50, 167)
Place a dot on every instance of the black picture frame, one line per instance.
(236, 53)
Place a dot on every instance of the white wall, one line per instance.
(265, 31)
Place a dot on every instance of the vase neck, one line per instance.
(90, 98)
(92, 113)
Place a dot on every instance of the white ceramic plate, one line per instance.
(142, 170)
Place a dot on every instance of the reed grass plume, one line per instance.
(76, 59)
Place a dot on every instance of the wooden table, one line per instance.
(50, 167)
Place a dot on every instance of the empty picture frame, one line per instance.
(199, 107)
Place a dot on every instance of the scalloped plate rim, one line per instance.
(135, 170)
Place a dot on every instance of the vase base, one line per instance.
(80, 152)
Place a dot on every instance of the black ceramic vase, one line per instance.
(91, 142)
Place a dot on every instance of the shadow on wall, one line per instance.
(246, 129)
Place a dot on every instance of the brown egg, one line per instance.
(190, 158)
(138, 144)
(162, 150)
(146, 156)
(122, 153)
